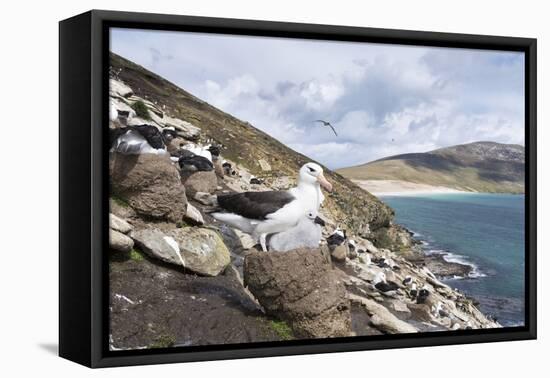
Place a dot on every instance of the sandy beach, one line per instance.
(402, 188)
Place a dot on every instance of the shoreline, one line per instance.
(404, 188)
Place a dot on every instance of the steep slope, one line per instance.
(247, 146)
(479, 166)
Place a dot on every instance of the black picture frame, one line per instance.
(83, 182)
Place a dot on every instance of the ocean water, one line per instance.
(484, 230)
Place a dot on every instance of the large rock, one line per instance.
(120, 242)
(118, 88)
(150, 184)
(201, 250)
(183, 128)
(300, 288)
(205, 181)
(154, 306)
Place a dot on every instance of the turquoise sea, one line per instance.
(484, 230)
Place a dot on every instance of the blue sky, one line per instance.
(382, 99)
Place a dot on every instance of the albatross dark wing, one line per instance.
(151, 134)
(254, 205)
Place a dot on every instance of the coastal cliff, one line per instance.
(180, 278)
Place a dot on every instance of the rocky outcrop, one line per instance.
(152, 306)
(183, 128)
(300, 288)
(382, 319)
(118, 88)
(150, 184)
(200, 250)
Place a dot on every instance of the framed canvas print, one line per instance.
(234, 188)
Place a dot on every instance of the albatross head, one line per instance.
(313, 216)
(313, 173)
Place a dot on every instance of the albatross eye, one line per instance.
(311, 169)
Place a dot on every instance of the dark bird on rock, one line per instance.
(325, 123)
(381, 263)
(255, 181)
(337, 237)
(414, 291)
(139, 139)
(214, 150)
(195, 163)
(381, 284)
(423, 294)
(226, 166)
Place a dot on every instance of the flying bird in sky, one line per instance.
(325, 123)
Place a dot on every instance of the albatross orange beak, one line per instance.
(324, 183)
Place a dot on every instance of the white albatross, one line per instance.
(262, 213)
(306, 234)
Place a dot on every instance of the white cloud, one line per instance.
(382, 99)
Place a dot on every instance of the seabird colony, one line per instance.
(263, 213)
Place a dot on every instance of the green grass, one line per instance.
(119, 201)
(136, 255)
(141, 110)
(163, 341)
(282, 329)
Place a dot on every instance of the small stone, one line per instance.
(205, 198)
(246, 240)
(120, 242)
(119, 224)
(340, 253)
(193, 215)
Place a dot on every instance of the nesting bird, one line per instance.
(337, 237)
(414, 291)
(306, 234)
(262, 213)
(190, 162)
(140, 139)
(381, 284)
(423, 294)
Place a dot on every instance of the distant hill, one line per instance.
(480, 166)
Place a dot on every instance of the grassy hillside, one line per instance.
(246, 145)
(481, 166)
